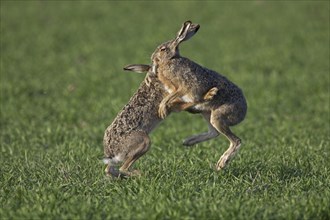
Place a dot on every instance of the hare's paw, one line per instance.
(162, 111)
(223, 161)
(211, 93)
(147, 80)
(190, 141)
(126, 174)
(150, 77)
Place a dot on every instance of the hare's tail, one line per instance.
(106, 160)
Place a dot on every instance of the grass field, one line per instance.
(62, 84)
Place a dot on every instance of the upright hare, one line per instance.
(190, 81)
(126, 139)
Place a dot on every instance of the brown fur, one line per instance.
(221, 102)
(126, 139)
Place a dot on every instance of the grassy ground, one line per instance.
(62, 84)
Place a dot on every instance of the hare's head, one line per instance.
(170, 49)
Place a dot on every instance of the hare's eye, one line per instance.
(162, 48)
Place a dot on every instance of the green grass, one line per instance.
(62, 84)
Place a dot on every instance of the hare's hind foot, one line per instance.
(219, 121)
(112, 171)
(227, 156)
(117, 173)
(138, 143)
(133, 173)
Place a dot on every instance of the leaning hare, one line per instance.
(184, 78)
(126, 139)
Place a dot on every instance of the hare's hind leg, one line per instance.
(138, 144)
(219, 121)
(212, 133)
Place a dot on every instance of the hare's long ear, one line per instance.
(139, 68)
(183, 32)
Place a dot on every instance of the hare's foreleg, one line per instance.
(139, 143)
(179, 105)
(163, 109)
(212, 133)
(218, 120)
(210, 94)
(179, 101)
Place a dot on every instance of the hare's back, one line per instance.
(194, 74)
(140, 113)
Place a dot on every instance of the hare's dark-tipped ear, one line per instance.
(187, 30)
(181, 35)
(139, 68)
